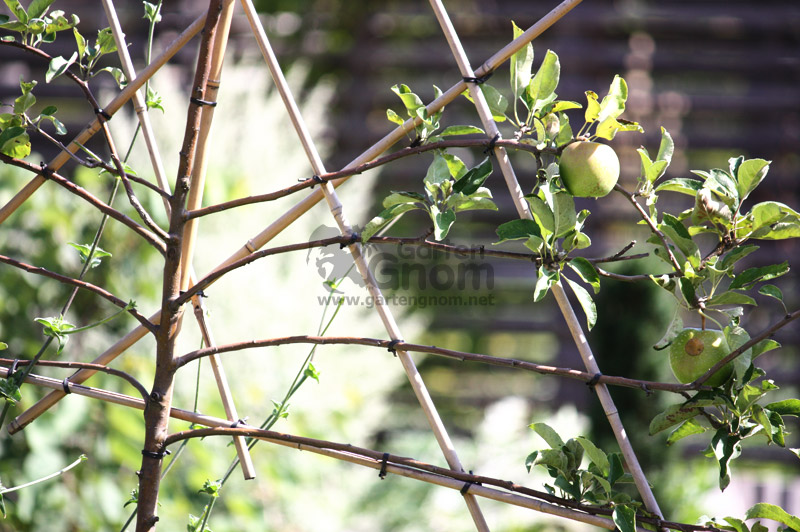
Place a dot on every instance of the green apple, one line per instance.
(589, 169)
(694, 351)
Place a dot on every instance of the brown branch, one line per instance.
(448, 353)
(763, 335)
(656, 231)
(81, 192)
(410, 463)
(212, 277)
(81, 365)
(355, 170)
(80, 284)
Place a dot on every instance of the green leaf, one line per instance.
(735, 255)
(625, 518)
(749, 175)
(597, 456)
(754, 275)
(459, 202)
(675, 414)
(399, 197)
(585, 299)
(768, 221)
(24, 102)
(15, 142)
(772, 291)
(474, 178)
(564, 215)
(731, 298)
(442, 222)
(678, 233)
(411, 101)
(544, 281)
(787, 407)
(592, 107)
(725, 448)
(666, 148)
(152, 12)
(154, 100)
(586, 271)
(18, 10)
(211, 488)
(516, 229)
(497, 102)
(687, 428)
(568, 487)
(118, 76)
(105, 41)
(59, 65)
(394, 117)
(764, 346)
(608, 128)
(763, 510)
(681, 184)
(438, 171)
(548, 434)
(544, 82)
(613, 103)
(461, 130)
(382, 219)
(80, 41)
(84, 249)
(520, 65)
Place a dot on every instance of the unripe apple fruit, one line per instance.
(589, 169)
(694, 351)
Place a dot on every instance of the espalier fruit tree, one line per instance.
(722, 396)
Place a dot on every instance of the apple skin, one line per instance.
(694, 351)
(589, 169)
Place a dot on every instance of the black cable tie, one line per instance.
(382, 473)
(465, 488)
(479, 80)
(238, 422)
(317, 180)
(102, 112)
(490, 147)
(198, 101)
(155, 456)
(416, 142)
(202, 294)
(392, 345)
(47, 172)
(65, 385)
(594, 380)
(354, 237)
(647, 389)
(12, 369)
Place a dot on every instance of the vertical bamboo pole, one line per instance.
(558, 291)
(303, 205)
(194, 201)
(113, 106)
(336, 207)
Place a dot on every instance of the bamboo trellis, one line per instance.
(457, 479)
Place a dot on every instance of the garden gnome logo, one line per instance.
(332, 262)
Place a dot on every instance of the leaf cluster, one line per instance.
(35, 25)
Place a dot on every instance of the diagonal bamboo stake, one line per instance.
(304, 205)
(113, 106)
(558, 291)
(336, 207)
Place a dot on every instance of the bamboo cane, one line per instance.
(113, 106)
(139, 105)
(303, 205)
(558, 291)
(336, 207)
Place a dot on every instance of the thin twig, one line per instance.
(650, 223)
(48, 173)
(80, 284)
(440, 351)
